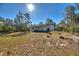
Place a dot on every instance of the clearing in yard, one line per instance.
(39, 44)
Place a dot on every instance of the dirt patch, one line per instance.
(38, 44)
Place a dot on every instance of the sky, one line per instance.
(41, 11)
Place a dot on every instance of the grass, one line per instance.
(9, 42)
(20, 43)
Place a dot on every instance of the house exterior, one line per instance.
(42, 28)
(1, 22)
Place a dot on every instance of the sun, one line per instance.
(30, 7)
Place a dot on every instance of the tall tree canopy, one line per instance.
(70, 16)
(49, 21)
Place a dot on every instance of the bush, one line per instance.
(66, 29)
(5, 29)
(1, 28)
(8, 28)
(60, 29)
(25, 28)
(77, 29)
(11, 29)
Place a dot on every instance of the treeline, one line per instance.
(70, 23)
(20, 23)
(48, 21)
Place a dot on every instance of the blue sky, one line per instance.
(41, 11)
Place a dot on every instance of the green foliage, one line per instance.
(49, 21)
(19, 24)
(5, 29)
(66, 29)
(25, 28)
(69, 21)
(21, 21)
(59, 28)
(71, 16)
(77, 29)
(62, 28)
(41, 23)
(11, 29)
(8, 29)
(1, 28)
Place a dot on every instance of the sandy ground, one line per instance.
(39, 44)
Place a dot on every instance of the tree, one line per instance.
(70, 16)
(41, 23)
(49, 21)
(22, 21)
(50, 24)
(61, 25)
(8, 22)
(18, 21)
(54, 25)
(1, 23)
(77, 13)
(27, 20)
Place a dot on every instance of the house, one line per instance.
(42, 28)
(1, 22)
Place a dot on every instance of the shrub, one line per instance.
(25, 28)
(77, 29)
(8, 28)
(1, 28)
(60, 29)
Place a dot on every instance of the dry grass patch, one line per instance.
(38, 44)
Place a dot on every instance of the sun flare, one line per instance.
(30, 7)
